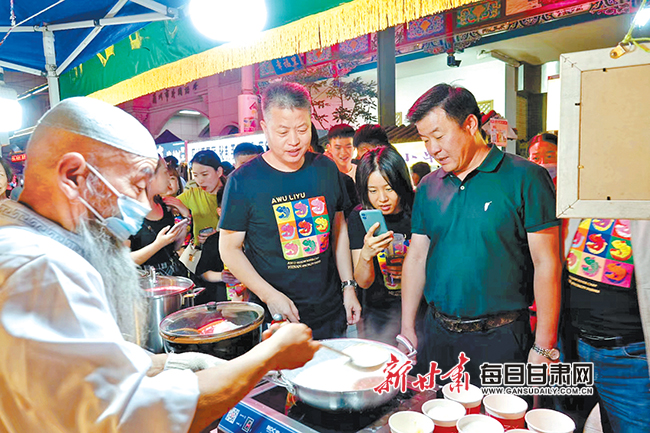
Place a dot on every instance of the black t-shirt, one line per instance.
(147, 235)
(599, 280)
(210, 261)
(378, 296)
(287, 218)
(351, 189)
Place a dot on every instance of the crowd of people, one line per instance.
(454, 261)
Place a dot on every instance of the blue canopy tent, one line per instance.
(49, 37)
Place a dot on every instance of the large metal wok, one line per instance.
(364, 397)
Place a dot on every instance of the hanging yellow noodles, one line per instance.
(324, 29)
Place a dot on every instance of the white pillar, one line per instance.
(511, 104)
(247, 103)
(247, 78)
(50, 66)
(4, 135)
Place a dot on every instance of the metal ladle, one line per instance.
(369, 363)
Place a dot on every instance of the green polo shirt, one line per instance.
(479, 261)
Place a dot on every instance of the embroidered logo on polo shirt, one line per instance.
(487, 205)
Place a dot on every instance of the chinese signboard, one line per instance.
(225, 146)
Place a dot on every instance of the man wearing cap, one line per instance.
(70, 300)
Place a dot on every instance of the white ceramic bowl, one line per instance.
(410, 422)
(505, 406)
(549, 421)
(444, 413)
(478, 424)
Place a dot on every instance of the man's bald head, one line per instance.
(101, 122)
(77, 131)
(87, 126)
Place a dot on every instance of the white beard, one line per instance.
(118, 271)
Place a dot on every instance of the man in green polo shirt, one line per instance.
(485, 245)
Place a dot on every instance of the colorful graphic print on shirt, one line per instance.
(394, 285)
(304, 227)
(602, 251)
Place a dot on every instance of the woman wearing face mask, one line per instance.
(160, 237)
(5, 178)
(383, 183)
(202, 200)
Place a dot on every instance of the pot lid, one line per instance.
(162, 285)
(211, 322)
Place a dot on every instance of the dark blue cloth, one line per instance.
(26, 48)
(623, 383)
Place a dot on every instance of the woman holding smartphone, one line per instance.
(383, 183)
(202, 199)
(160, 237)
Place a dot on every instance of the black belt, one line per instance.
(609, 342)
(478, 324)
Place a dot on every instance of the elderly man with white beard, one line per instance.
(69, 294)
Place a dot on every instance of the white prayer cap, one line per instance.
(103, 122)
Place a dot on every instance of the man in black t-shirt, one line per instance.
(603, 300)
(283, 233)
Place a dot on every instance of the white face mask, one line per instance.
(133, 212)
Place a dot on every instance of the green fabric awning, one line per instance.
(169, 54)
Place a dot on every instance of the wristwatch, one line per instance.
(553, 354)
(347, 283)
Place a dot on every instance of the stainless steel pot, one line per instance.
(164, 295)
(336, 401)
(193, 329)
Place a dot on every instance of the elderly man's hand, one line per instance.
(292, 346)
(194, 361)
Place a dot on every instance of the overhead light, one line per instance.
(642, 16)
(228, 20)
(189, 113)
(11, 112)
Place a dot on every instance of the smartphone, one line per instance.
(372, 216)
(207, 231)
(179, 223)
